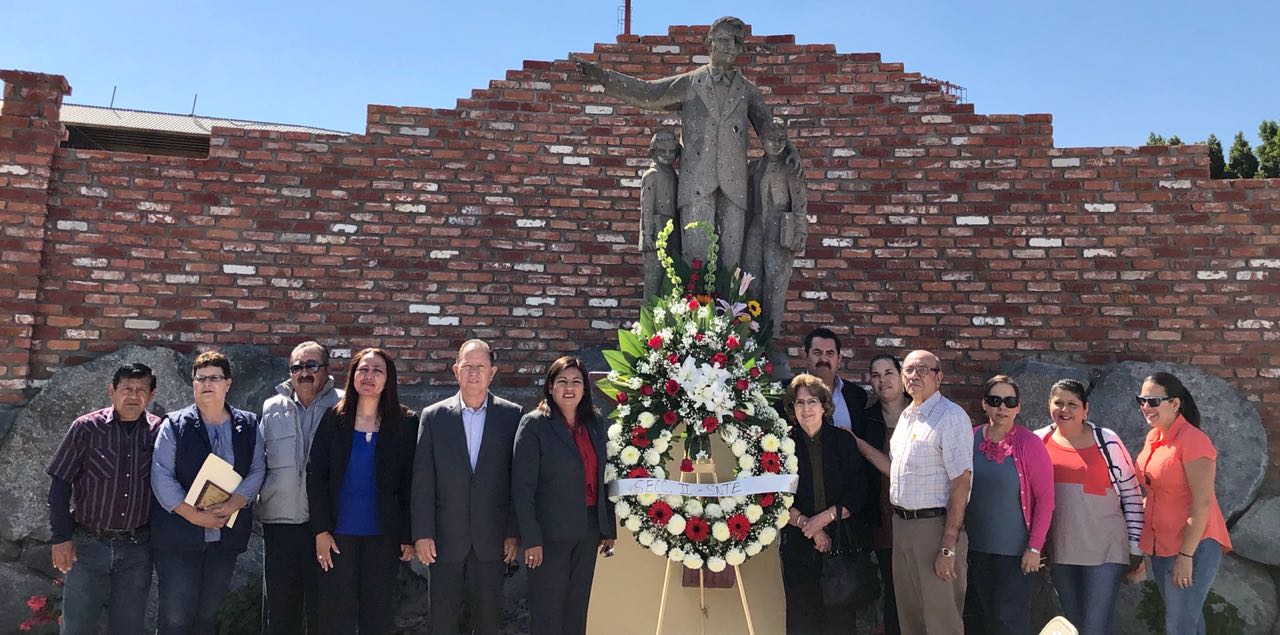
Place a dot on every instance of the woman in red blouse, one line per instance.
(1185, 533)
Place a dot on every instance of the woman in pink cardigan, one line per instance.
(1009, 511)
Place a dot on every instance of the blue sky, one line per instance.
(1109, 72)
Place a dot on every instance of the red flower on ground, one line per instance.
(672, 387)
(660, 513)
(731, 343)
(755, 372)
(741, 384)
(621, 397)
(655, 342)
(697, 529)
(719, 359)
(639, 438)
(647, 390)
(710, 423)
(769, 462)
(686, 465)
(739, 415)
(638, 472)
(739, 527)
(765, 500)
(669, 418)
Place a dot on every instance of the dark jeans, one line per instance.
(481, 580)
(1088, 594)
(111, 573)
(193, 584)
(560, 589)
(1003, 592)
(359, 592)
(884, 558)
(802, 565)
(1184, 608)
(289, 574)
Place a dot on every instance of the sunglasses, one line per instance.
(1152, 402)
(995, 401)
(309, 367)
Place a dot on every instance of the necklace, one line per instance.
(996, 451)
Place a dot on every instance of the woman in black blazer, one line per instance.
(358, 480)
(565, 517)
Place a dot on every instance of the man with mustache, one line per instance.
(822, 360)
(288, 425)
(930, 470)
(103, 547)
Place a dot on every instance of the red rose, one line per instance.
(710, 423)
(697, 529)
(655, 342)
(739, 415)
(647, 390)
(640, 438)
(673, 387)
(741, 384)
(638, 472)
(768, 367)
(697, 337)
(686, 465)
(673, 358)
(755, 372)
(731, 343)
(739, 527)
(696, 264)
(669, 418)
(769, 462)
(660, 513)
(695, 277)
(693, 305)
(622, 397)
(689, 287)
(765, 500)
(719, 360)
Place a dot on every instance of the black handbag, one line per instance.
(848, 575)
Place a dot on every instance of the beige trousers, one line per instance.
(927, 604)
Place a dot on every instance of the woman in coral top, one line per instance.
(1185, 533)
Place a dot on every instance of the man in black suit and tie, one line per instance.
(464, 525)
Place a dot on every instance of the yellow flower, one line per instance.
(753, 307)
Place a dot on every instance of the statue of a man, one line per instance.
(658, 205)
(716, 104)
(779, 221)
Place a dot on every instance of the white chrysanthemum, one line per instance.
(720, 531)
(692, 561)
(612, 448)
(739, 448)
(659, 472)
(659, 547)
(693, 507)
(767, 535)
(647, 419)
(753, 548)
(652, 457)
(614, 433)
(646, 499)
(646, 538)
(729, 433)
(676, 553)
(674, 501)
(661, 444)
(782, 520)
(787, 499)
(793, 464)
(754, 512)
(716, 565)
(769, 443)
(714, 510)
(728, 503)
(675, 526)
(746, 461)
(622, 509)
(629, 455)
(610, 473)
(735, 557)
(633, 524)
(789, 445)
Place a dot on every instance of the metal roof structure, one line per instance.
(100, 116)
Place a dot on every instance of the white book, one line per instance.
(216, 481)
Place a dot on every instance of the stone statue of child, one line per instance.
(657, 206)
(779, 221)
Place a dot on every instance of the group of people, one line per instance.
(347, 483)
(936, 497)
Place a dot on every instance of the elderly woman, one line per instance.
(557, 483)
(1009, 510)
(358, 482)
(1097, 515)
(1185, 533)
(832, 483)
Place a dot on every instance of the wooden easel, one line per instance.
(707, 467)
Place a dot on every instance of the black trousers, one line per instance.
(807, 614)
(482, 580)
(884, 558)
(560, 589)
(289, 573)
(359, 592)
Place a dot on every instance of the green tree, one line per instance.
(1217, 165)
(1241, 164)
(1154, 139)
(1175, 140)
(1269, 150)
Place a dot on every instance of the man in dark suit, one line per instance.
(464, 525)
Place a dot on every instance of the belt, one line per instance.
(138, 535)
(914, 514)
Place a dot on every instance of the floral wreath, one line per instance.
(694, 365)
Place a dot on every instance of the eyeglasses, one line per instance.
(995, 400)
(208, 379)
(310, 367)
(808, 403)
(1151, 402)
(917, 370)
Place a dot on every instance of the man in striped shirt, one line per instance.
(104, 466)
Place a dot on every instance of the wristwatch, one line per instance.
(948, 552)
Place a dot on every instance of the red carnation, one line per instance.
(769, 462)
(696, 264)
(669, 418)
(655, 342)
(639, 438)
(638, 472)
(693, 305)
(622, 397)
(697, 529)
(686, 465)
(765, 500)
(739, 415)
(719, 359)
(741, 384)
(755, 372)
(710, 423)
(673, 387)
(731, 343)
(660, 513)
(647, 390)
(673, 358)
(768, 367)
(739, 527)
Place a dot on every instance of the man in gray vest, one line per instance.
(288, 424)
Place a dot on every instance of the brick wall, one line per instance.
(513, 217)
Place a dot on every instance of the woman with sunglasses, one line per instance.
(1009, 510)
(1185, 533)
(1097, 515)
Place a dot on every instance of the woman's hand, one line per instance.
(533, 557)
(1136, 574)
(1182, 571)
(1031, 562)
(814, 524)
(406, 553)
(822, 542)
(325, 545)
(606, 547)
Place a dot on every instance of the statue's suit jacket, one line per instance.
(714, 134)
(458, 508)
